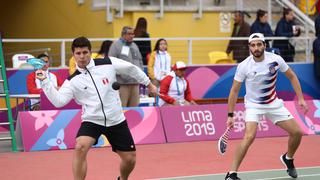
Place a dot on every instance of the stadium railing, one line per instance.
(192, 50)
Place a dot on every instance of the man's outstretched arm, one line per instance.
(297, 88)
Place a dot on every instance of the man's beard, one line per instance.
(257, 54)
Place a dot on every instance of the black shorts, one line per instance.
(119, 136)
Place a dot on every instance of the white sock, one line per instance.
(288, 157)
(230, 172)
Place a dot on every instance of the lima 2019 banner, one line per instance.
(56, 129)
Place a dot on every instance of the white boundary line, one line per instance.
(242, 172)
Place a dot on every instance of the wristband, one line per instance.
(230, 114)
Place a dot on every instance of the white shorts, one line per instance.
(274, 114)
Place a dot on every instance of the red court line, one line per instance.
(156, 161)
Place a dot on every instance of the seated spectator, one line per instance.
(261, 25)
(241, 28)
(34, 84)
(286, 28)
(159, 64)
(174, 88)
(104, 50)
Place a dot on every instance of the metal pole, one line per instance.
(307, 7)
(121, 9)
(161, 8)
(190, 52)
(160, 13)
(308, 50)
(269, 13)
(199, 15)
(240, 5)
(108, 12)
(63, 54)
(307, 34)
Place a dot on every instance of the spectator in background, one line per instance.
(126, 49)
(261, 25)
(34, 85)
(159, 64)
(104, 49)
(316, 49)
(141, 32)
(175, 89)
(286, 28)
(241, 28)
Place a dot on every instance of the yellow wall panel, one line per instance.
(67, 19)
(52, 19)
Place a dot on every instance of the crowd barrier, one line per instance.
(56, 129)
(215, 83)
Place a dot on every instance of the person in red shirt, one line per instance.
(34, 85)
(174, 88)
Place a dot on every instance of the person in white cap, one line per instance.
(259, 71)
(174, 88)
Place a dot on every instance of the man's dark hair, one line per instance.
(260, 13)
(42, 55)
(286, 11)
(255, 36)
(105, 46)
(258, 37)
(243, 13)
(81, 42)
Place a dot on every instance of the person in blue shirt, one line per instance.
(286, 28)
(261, 25)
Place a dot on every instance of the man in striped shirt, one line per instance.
(259, 71)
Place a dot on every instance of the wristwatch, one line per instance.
(230, 114)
